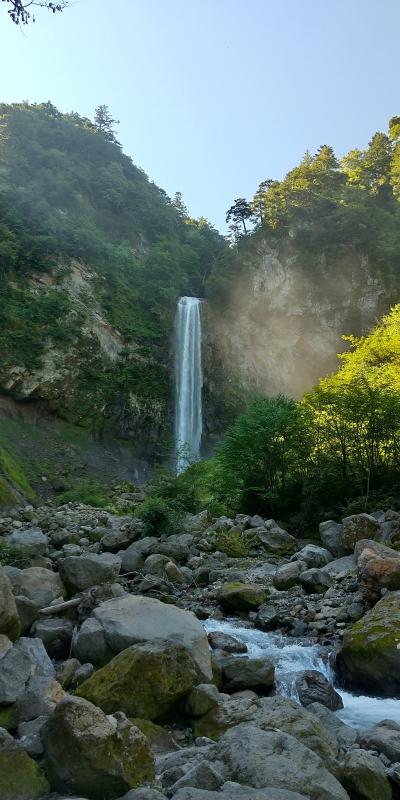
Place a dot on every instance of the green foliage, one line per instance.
(87, 491)
(159, 516)
(235, 544)
(13, 556)
(13, 480)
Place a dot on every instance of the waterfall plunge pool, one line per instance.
(291, 656)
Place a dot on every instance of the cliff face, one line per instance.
(281, 329)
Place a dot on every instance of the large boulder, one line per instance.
(32, 542)
(313, 555)
(331, 537)
(177, 546)
(257, 674)
(9, 620)
(369, 658)
(89, 569)
(26, 659)
(288, 716)
(56, 635)
(134, 557)
(356, 527)
(270, 758)
(20, 776)
(364, 776)
(313, 687)
(343, 734)
(288, 575)
(214, 712)
(238, 596)
(315, 581)
(218, 640)
(92, 754)
(145, 680)
(131, 619)
(38, 584)
(233, 791)
(379, 573)
(39, 698)
(385, 738)
(276, 540)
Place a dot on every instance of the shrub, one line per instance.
(159, 516)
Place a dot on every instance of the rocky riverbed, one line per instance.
(144, 667)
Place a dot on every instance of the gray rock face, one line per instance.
(233, 791)
(56, 635)
(257, 674)
(92, 754)
(32, 541)
(364, 776)
(123, 621)
(262, 758)
(313, 687)
(315, 581)
(356, 527)
(27, 658)
(90, 569)
(331, 537)
(313, 556)
(9, 620)
(38, 584)
(288, 574)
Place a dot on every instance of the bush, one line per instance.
(87, 491)
(159, 517)
(14, 556)
(236, 544)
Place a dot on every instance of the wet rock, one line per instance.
(90, 569)
(238, 596)
(268, 618)
(223, 641)
(92, 754)
(123, 621)
(369, 658)
(144, 680)
(20, 776)
(313, 687)
(9, 620)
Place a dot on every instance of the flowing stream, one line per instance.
(291, 656)
(189, 381)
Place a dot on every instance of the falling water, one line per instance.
(189, 380)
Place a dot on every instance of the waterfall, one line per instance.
(189, 381)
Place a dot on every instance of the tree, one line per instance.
(239, 212)
(104, 122)
(179, 205)
(19, 13)
(258, 202)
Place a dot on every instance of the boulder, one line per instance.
(177, 546)
(257, 674)
(223, 641)
(330, 533)
(313, 687)
(233, 791)
(313, 556)
(20, 776)
(276, 540)
(124, 531)
(268, 618)
(341, 566)
(288, 575)
(145, 680)
(383, 737)
(92, 754)
(369, 658)
(288, 716)
(143, 794)
(364, 776)
(315, 581)
(344, 734)
(118, 623)
(224, 712)
(356, 527)
(27, 612)
(29, 736)
(38, 584)
(32, 542)
(377, 574)
(365, 549)
(270, 758)
(27, 658)
(38, 699)
(202, 699)
(89, 569)
(9, 620)
(56, 635)
(134, 557)
(238, 596)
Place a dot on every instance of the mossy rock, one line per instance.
(159, 739)
(20, 776)
(145, 680)
(369, 658)
(8, 717)
(242, 596)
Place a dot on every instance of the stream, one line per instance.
(291, 656)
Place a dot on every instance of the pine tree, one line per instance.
(104, 122)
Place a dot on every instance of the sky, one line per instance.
(214, 96)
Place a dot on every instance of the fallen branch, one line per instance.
(60, 606)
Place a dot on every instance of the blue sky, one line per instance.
(214, 95)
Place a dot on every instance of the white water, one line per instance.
(291, 656)
(189, 381)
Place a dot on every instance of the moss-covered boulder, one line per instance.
(369, 658)
(145, 680)
(364, 776)
(94, 755)
(9, 620)
(20, 776)
(242, 596)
